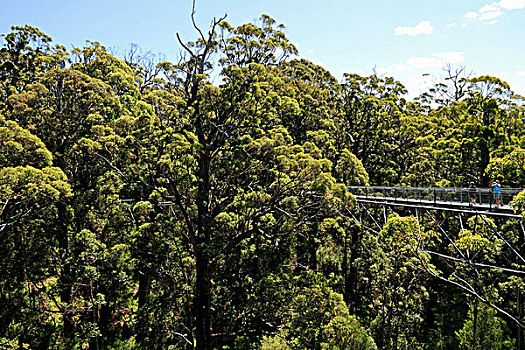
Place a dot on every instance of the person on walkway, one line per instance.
(472, 192)
(496, 191)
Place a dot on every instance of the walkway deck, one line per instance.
(442, 198)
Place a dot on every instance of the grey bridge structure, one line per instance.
(451, 201)
(451, 211)
(480, 200)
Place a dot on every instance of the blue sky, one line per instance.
(405, 39)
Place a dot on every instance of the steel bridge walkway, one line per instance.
(449, 210)
(451, 199)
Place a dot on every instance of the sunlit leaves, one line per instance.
(407, 230)
(488, 328)
(469, 241)
(249, 43)
(509, 169)
(20, 147)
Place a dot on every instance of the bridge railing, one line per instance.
(482, 195)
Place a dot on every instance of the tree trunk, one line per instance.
(346, 274)
(475, 325)
(351, 277)
(144, 285)
(484, 148)
(203, 301)
(66, 284)
(518, 312)
(202, 259)
(142, 294)
(312, 246)
(485, 159)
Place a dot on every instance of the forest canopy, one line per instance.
(150, 204)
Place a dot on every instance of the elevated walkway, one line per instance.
(439, 198)
(448, 212)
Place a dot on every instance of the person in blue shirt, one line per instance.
(496, 191)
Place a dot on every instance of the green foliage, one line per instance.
(518, 203)
(469, 241)
(20, 147)
(483, 330)
(350, 170)
(144, 206)
(509, 169)
(250, 43)
(407, 230)
(316, 317)
(398, 285)
(25, 54)
(277, 342)
(476, 237)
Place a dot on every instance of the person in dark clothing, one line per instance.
(472, 192)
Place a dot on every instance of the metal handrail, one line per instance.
(482, 195)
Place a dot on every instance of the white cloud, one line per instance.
(424, 27)
(394, 69)
(450, 56)
(519, 73)
(489, 12)
(511, 4)
(493, 22)
(415, 82)
(437, 60)
(489, 8)
(401, 68)
(424, 62)
(485, 16)
(418, 84)
(450, 25)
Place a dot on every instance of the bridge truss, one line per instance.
(452, 213)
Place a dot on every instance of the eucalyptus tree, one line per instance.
(235, 181)
(66, 108)
(31, 191)
(486, 102)
(480, 119)
(25, 54)
(371, 125)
